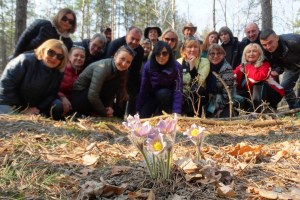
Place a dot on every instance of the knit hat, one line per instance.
(189, 25)
(146, 32)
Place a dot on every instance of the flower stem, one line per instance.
(148, 165)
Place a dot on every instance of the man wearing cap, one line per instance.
(152, 33)
(189, 30)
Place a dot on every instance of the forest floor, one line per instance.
(93, 158)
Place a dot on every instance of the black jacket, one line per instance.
(287, 54)
(133, 83)
(27, 81)
(245, 41)
(234, 52)
(37, 33)
(88, 57)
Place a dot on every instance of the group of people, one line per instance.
(51, 75)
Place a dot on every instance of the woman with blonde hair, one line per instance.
(170, 36)
(30, 82)
(195, 71)
(254, 76)
(60, 27)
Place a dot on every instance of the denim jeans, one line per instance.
(289, 80)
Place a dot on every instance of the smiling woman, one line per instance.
(96, 87)
(161, 84)
(62, 25)
(30, 82)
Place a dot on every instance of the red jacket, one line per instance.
(66, 85)
(255, 75)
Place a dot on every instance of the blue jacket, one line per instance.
(155, 79)
(27, 81)
(37, 33)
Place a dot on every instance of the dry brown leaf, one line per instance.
(93, 188)
(226, 191)
(241, 166)
(89, 159)
(151, 195)
(116, 170)
(85, 171)
(110, 190)
(187, 165)
(134, 195)
(295, 192)
(177, 197)
(192, 177)
(285, 196)
(278, 155)
(268, 194)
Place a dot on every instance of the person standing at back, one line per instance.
(232, 47)
(60, 27)
(252, 34)
(94, 48)
(132, 39)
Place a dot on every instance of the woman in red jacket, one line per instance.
(254, 76)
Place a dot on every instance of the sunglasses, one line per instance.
(163, 53)
(212, 54)
(66, 19)
(53, 54)
(170, 39)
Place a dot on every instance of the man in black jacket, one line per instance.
(252, 34)
(132, 39)
(283, 53)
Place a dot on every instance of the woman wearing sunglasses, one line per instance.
(60, 27)
(30, 82)
(96, 87)
(161, 84)
(170, 36)
(218, 103)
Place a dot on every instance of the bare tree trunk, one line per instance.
(266, 13)
(82, 19)
(112, 19)
(21, 16)
(214, 14)
(173, 13)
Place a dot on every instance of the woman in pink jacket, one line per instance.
(254, 77)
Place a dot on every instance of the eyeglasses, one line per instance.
(53, 54)
(66, 19)
(163, 54)
(213, 54)
(170, 39)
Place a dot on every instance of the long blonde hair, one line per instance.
(53, 43)
(261, 57)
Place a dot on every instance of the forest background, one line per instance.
(94, 15)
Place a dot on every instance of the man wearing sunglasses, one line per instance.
(132, 39)
(62, 25)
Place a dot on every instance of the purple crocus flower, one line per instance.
(195, 134)
(156, 144)
(168, 125)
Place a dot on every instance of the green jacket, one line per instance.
(94, 77)
(200, 72)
